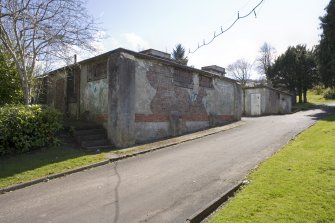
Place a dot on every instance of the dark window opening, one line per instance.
(97, 71)
(205, 82)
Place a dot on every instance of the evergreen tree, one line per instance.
(326, 50)
(178, 54)
(295, 71)
(10, 85)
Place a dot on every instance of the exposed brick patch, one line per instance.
(171, 97)
(182, 78)
(151, 118)
(101, 117)
(199, 117)
(225, 117)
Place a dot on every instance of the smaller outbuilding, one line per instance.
(263, 100)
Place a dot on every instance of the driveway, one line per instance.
(168, 185)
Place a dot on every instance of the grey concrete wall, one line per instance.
(285, 104)
(121, 100)
(272, 101)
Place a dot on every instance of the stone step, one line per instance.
(85, 132)
(82, 125)
(80, 138)
(90, 143)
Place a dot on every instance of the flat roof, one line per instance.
(147, 57)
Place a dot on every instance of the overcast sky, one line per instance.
(139, 25)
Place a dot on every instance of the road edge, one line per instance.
(208, 209)
(133, 152)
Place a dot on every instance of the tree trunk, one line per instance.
(300, 96)
(305, 95)
(25, 87)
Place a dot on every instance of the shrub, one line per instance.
(25, 128)
(329, 93)
(318, 89)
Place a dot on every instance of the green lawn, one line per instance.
(30, 166)
(312, 97)
(295, 185)
(313, 100)
(317, 99)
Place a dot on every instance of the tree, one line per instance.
(10, 90)
(43, 30)
(178, 54)
(295, 71)
(326, 50)
(240, 70)
(265, 59)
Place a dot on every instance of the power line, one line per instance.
(253, 11)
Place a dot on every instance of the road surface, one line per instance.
(168, 185)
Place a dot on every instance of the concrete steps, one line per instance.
(90, 136)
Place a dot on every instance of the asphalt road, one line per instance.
(163, 186)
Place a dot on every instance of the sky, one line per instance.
(161, 25)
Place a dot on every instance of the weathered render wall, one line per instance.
(285, 104)
(151, 100)
(272, 101)
(93, 96)
(141, 98)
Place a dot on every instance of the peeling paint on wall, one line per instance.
(220, 99)
(95, 97)
(144, 91)
(144, 98)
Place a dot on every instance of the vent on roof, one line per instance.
(215, 70)
(157, 53)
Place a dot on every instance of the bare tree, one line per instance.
(43, 30)
(265, 59)
(240, 71)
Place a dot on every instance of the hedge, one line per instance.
(25, 128)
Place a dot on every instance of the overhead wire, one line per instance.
(252, 11)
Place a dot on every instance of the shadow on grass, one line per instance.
(303, 106)
(326, 114)
(51, 159)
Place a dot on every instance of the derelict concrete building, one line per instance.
(263, 100)
(141, 97)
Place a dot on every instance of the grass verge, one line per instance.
(26, 167)
(313, 100)
(295, 185)
(317, 98)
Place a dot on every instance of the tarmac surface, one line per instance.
(168, 185)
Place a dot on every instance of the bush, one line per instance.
(25, 128)
(318, 90)
(329, 93)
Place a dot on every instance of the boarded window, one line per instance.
(60, 97)
(205, 82)
(97, 70)
(183, 79)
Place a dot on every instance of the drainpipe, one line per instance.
(77, 73)
(243, 92)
